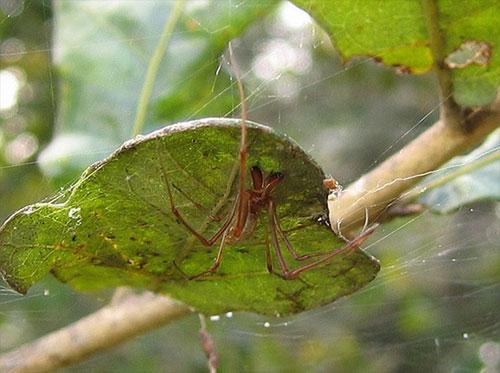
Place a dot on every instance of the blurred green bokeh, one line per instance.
(435, 303)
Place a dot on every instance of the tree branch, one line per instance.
(373, 192)
(133, 315)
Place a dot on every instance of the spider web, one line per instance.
(434, 304)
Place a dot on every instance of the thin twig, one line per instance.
(154, 65)
(451, 112)
(208, 345)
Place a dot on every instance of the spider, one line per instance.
(242, 218)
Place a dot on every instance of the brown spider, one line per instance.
(242, 219)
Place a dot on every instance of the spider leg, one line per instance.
(144, 200)
(257, 178)
(274, 236)
(292, 274)
(243, 155)
(269, 258)
(287, 242)
(205, 241)
(234, 231)
(346, 249)
(217, 261)
(196, 204)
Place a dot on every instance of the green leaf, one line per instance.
(102, 52)
(114, 226)
(395, 33)
(478, 178)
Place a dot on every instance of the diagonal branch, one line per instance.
(374, 192)
(111, 325)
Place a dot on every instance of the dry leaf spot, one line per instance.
(469, 52)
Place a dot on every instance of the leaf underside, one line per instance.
(477, 185)
(114, 226)
(395, 33)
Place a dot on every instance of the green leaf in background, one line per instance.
(114, 226)
(479, 178)
(102, 51)
(395, 33)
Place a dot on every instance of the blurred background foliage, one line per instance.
(435, 303)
